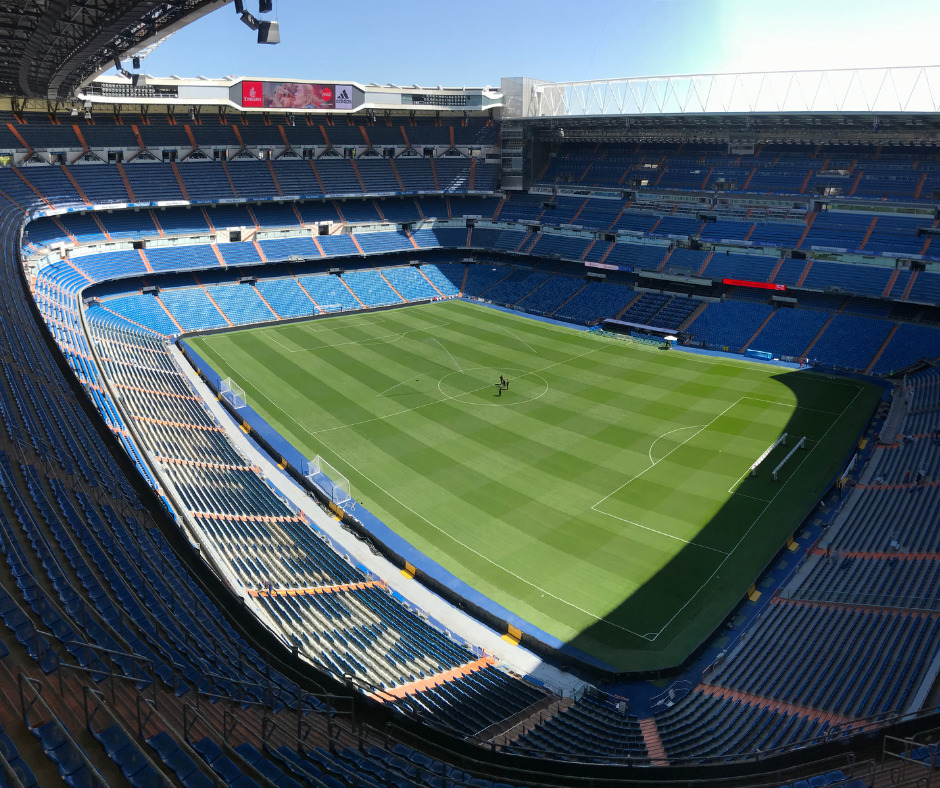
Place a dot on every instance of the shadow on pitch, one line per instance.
(682, 587)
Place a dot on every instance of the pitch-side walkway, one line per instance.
(513, 657)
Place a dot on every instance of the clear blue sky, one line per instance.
(478, 42)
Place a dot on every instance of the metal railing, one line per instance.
(33, 706)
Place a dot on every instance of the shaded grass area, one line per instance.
(604, 497)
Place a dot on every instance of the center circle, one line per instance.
(478, 386)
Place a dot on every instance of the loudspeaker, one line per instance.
(269, 33)
(265, 6)
(239, 6)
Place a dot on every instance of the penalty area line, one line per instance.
(760, 515)
(667, 454)
(795, 407)
(698, 430)
(661, 533)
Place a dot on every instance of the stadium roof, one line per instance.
(914, 89)
(48, 48)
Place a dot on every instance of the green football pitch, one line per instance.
(604, 497)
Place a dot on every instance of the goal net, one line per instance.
(333, 484)
(234, 393)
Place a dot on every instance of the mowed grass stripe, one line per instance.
(500, 491)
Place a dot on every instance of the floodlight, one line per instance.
(269, 33)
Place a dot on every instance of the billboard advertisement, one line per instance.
(252, 94)
(608, 266)
(295, 95)
(343, 97)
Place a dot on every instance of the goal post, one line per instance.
(329, 480)
(800, 444)
(234, 393)
(781, 441)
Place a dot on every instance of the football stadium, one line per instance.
(547, 434)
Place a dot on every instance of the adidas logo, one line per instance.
(344, 96)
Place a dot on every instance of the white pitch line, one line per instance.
(392, 387)
(320, 325)
(678, 429)
(520, 339)
(752, 497)
(762, 512)
(653, 465)
(456, 397)
(662, 533)
(791, 405)
(273, 337)
(738, 481)
(744, 495)
(440, 344)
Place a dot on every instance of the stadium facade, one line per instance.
(184, 603)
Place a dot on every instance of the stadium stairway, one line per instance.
(574, 295)
(436, 680)
(760, 328)
(881, 350)
(506, 731)
(815, 339)
(654, 744)
(774, 705)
